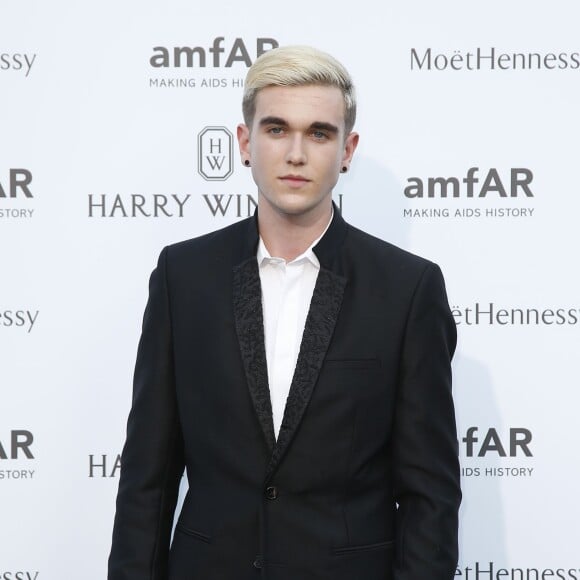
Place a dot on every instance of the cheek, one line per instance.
(264, 154)
(261, 159)
(334, 158)
(332, 165)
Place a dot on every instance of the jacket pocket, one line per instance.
(194, 533)
(361, 548)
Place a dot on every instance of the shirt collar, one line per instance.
(264, 256)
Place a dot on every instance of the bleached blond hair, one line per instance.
(294, 66)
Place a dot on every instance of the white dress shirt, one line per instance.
(287, 289)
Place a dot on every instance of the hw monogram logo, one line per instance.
(215, 152)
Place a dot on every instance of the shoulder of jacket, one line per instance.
(212, 243)
(383, 252)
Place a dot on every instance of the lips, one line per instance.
(294, 180)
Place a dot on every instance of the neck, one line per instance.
(289, 235)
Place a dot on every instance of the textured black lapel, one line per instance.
(320, 322)
(250, 328)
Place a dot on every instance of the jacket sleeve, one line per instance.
(152, 459)
(425, 449)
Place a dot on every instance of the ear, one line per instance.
(350, 144)
(243, 133)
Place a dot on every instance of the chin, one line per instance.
(293, 204)
(296, 209)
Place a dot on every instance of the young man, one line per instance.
(299, 369)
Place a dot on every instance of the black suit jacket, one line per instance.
(363, 481)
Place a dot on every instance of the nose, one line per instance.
(296, 155)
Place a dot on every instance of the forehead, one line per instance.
(302, 104)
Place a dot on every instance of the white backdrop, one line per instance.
(93, 137)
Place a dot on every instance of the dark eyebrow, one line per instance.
(272, 121)
(319, 125)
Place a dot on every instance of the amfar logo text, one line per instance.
(492, 60)
(518, 183)
(18, 445)
(197, 56)
(16, 184)
(490, 442)
(17, 62)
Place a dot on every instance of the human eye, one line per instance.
(319, 135)
(276, 130)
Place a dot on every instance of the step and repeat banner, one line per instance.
(117, 125)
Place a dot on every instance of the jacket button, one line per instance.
(272, 492)
(258, 562)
